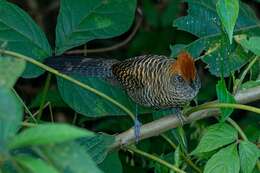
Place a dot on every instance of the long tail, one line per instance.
(90, 67)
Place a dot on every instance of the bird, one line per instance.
(149, 80)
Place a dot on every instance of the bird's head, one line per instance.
(184, 71)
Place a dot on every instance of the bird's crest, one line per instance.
(184, 66)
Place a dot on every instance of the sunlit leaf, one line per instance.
(249, 154)
(216, 136)
(225, 160)
(47, 134)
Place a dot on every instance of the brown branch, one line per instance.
(116, 46)
(168, 122)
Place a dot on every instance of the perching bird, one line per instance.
(150, 80)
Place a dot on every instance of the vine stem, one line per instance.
(187, 160)
(68, 78)
(240, 131)
(237, 84)
(45, 92)
(222, 105)
(154, 158)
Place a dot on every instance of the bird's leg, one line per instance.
(179, 115)
(137, 126)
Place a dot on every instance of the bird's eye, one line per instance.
(179, 78)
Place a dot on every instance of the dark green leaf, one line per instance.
(224, 161)
(97, 146)
(53, 96)
(10, 70)
(224, 97)
(228, 12)
(35, 165)
(202, 21)
(11, 114)
(47, 134)
(70, 158)
(85, 20)
(22, 35)
(251, 43)
(112, 164)
(90, 104)
(249, 154)
(216, 136)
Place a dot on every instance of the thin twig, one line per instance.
(44, 94)
(116, 46)
(236, 126)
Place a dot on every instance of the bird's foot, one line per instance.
(137, 130)
(180, 117)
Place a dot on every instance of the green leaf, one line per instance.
(202, 21)
(249, 154)
(224, 161)
(11, 114)
(216, 136)
(177, 157)
(250, 84)
(22, 35)
(228, 12)
(89, 104)
(224, 97)
(97, 146)
(112, 164)
(47, 134)
(35, 165)
(70, 157)
(85, 20)
(251, 43)
(53, 96)
(10, 70)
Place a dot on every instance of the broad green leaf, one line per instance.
(249, 154)
(228, 12)
(202, 21)
(97, 146)
(21, 34)
(225, 160)
(47, 134)
(11, 114)
(90, 104)
(10, 69)
(251, 43)
(35, 165)
(85, 20)
(216, 136)
(193, 50)
(224, 97)
(177, 157)
(112, 164)
(70, 157)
